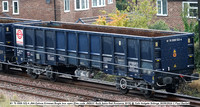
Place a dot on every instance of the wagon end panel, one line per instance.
(6, 38)
(177, 54)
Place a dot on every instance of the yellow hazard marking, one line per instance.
(156, 44)
(174, 65)
(7, 29)
(152, 77)
(174, 51)
(189, 40)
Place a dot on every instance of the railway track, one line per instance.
(195, 102)
(49, 93)
(112, 90)
(161, 96)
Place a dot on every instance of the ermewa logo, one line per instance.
(19, 36)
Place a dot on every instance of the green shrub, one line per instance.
(105, 77)
(121, 4)
(190, 25)
(2, 98)
(197, 56)
(159, 25)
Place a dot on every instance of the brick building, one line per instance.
(59, 10)
(170, 11)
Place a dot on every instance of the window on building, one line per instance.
(15, 7)
(82, 4)
(110, 1)
(5, 7)
(66, 5)
(191, 8)
(162, 7)
(98, 3)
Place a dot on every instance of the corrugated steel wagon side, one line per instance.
(131, 54)
(6, 37)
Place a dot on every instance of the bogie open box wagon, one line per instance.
(132, 54)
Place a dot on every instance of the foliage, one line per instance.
(192, 26)
(159, 25)
(121, 4)
(188, 90)
(189, 25)
(101, 20)
(5, 102)
(105, 77)
(118, 19)
(138, 16)
(141, 13)
(2, 98)
(197, 56)
(192, 89)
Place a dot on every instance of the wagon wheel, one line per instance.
(32, 74)
(123, 86)
(170, 88)
(52, 76)
(145, 92)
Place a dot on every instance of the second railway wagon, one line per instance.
(134, 55)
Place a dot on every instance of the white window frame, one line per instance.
(162, 8)
(189, 8)
(65, 10)
(14, 8)
(80, 4)
(3, 6)
(110, 1)
(98, 3)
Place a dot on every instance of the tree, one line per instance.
(121, 4)
(189, 25)
(137, 15)
(118, 19)
(141, 13)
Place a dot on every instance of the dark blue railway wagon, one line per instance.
(133, 55)
(6, 37)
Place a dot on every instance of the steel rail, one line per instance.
(88, 97)
(112, 83)
(177, 97)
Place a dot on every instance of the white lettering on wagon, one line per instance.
(174, 40)
(61, 58)
(50, 57)
(132, 66)
(19, 37)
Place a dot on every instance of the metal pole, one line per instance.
(199, 20)
(55, 10)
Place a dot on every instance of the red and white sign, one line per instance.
(19, 37)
